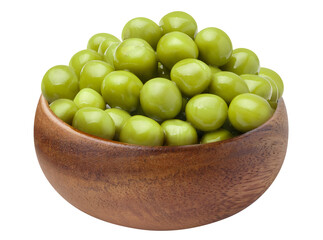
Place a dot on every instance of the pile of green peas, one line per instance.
(165, 84)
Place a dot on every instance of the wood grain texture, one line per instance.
(159, 188)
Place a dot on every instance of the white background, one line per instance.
(36, 35)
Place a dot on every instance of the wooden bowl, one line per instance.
(159, 188)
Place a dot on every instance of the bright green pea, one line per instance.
(143, 28)
(142, 130)
(94, 121)
(178, 21)
(214, 46)
(258, 85)
(275, 91)
(119, 118)
(227, 85)
(93, 73)
(80, 58)
(160, 99)
(162, 71)
(216, 136)
(268, 73)
(59, 82)
(192, 76)
(95, 41)
(64, 109)
(121, 89)
(178, 132)
(248, 111)
(206, 112)
(107, 43)
(87, 97)
(214, 70)
(109, 53)
(175, 46)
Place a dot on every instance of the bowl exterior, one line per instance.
(159, 188)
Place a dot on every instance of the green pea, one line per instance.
(268, 73)
(119, 118)
(93, 73)
(214, 70)
(162, 71)
(206, 112)
(59, 82)
(275, 91)
(95, 41)
(80, 58)
(142, 130)
(214, 46)
(178, 132)
(258, 85)
(64, 109)
(94, 121)
(175, 46)
(248, 111)
(87, 97)
(227, 85)
(107, 43)
(178, 21)
(143, 28)
(121, 89)
(160, 99)
(108, 55)
(216, 136)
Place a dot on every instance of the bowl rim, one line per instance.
(43, 103)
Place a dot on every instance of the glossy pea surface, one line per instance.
(268, 73)
(243, 61)
(119, 118)
(59, 82)
(64, 109)
(178, 21)
(248, 111)
(160, 99)
(95, 41)
(206, 112)
(214, 46)
(108, 55)
(107, 43)
(175, 46)
(178, 132)
(93, 73)
(136, 56)
(121, 89)
(227, 85)
(88, 97)
(192, 76)
(162, 71)
(258, 85)
(214, 70)
(80, 58)
(143, 28)
(142, 130)
(216, 136)
(94, 121)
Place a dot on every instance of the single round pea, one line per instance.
(121, 89)
(142, 130)
(214, 46)
(87, 97)
(214, 70)
(242, 61)
(206, 112)
(227, 85)
(268, 73)
(80, 58)
(178, 132)
(175, 46)
(59, 82)
(143, 28)
(162, 71)
(93, 73)
(192, 76)
(275, 91)
(107, 43)
(94, 121)
(109, 53)
(95, 41)
(248, 111)
(258, 85)
(178, 21)
(136, 56)
(216, 136)
(160, 99)
(64, 109)
(119, 118)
